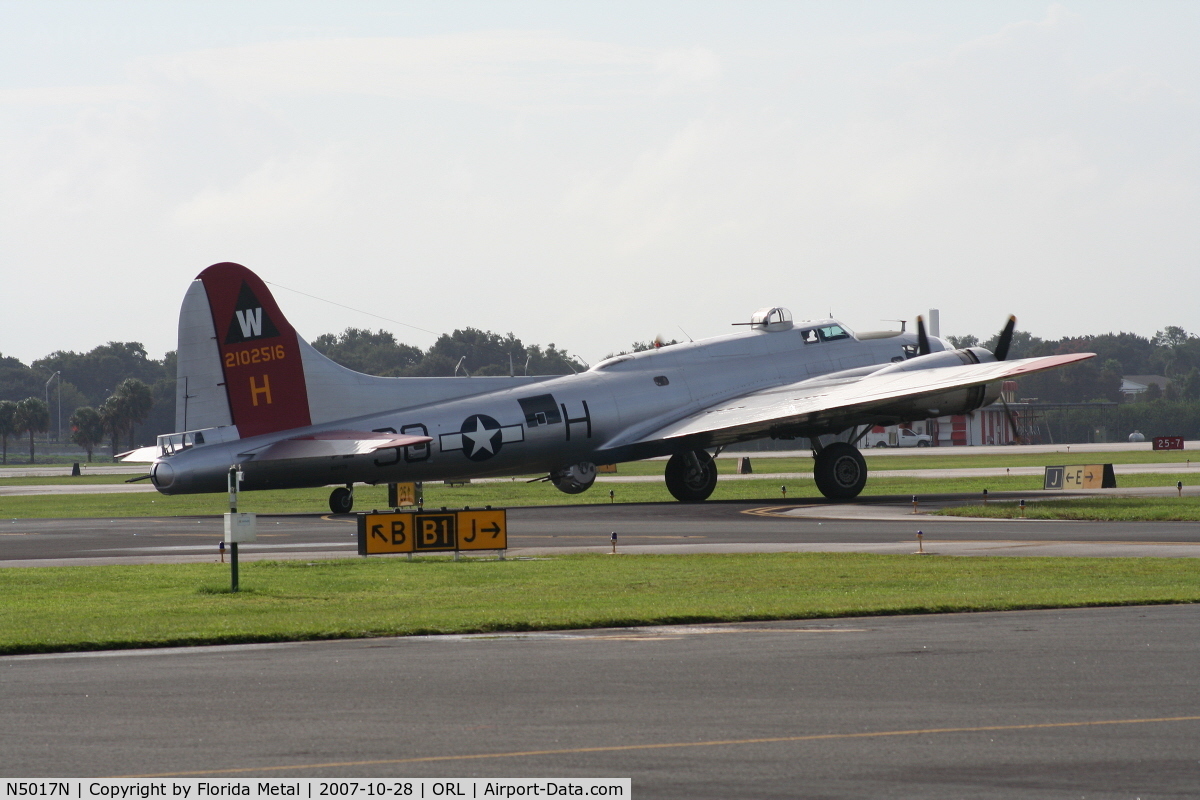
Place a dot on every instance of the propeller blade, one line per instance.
(922, 337)
(1005, 341)
(1012, 422)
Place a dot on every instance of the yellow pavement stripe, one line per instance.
(669, 745)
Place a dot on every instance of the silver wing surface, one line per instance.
(829, 404)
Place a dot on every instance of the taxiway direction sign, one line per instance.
(432, 531)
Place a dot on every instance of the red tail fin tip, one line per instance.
(259, 351)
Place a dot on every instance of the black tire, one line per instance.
(691, 476)
(341, 500)
(840, 471)
(922, 443)
(881, 444)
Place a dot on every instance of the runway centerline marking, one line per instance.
(816, 737)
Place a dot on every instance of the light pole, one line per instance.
(58, 435)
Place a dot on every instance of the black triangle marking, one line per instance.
(250, 320)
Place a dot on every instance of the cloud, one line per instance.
(278, 191)
(71, 95)
(686, 67)
(502, 67)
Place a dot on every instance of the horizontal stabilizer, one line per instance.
(334, 443)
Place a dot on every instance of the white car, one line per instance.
(899, 437)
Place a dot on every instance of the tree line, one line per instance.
(1171, 352)
(116, 392)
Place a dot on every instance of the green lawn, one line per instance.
(80, 608)
(65, 479)
(512, 493)
(939, 458)
(1113, 509)
(925, 458)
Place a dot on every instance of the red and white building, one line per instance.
(984, 426)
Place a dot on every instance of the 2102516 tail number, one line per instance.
(254, 355)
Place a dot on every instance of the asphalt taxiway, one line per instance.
(1087, 702)
(882, 525)
(1095, 703)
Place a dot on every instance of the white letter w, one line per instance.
(251, 322)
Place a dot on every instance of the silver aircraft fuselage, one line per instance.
(538, 426)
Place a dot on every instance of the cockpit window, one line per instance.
(824, 333)
(829, 333)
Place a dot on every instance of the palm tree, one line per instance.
(112, 420)
(8, 426)
(129, 404)
(87, 429)
(33, 416)
(137, 401)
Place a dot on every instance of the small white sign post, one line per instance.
(238, 527)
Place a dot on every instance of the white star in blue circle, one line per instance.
(481, 437)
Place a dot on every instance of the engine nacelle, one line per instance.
(575, 478)
(944, 358)
(955, 401)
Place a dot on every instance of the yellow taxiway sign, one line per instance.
(432, 531)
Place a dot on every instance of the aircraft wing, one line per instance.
(333, 443)
(818, 403)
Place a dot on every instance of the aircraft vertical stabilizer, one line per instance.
(200, 400)
(248, 352)
(241, 363)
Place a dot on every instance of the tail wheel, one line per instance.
(691, 476)
(341, 500)
(840, 471)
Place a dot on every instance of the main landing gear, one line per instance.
(839, 470)
(691, 476)
(341, 499)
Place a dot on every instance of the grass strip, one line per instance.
(67, 480)
(727, 464)
(1101, 509)
(86, 608)
(510, 494)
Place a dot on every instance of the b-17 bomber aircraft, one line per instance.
(251, 393)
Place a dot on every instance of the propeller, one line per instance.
(922, 337)
(1012, 421)
(1001, 353)
(1006, 336)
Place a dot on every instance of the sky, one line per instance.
(594, 174)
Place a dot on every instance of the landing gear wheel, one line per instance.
(691, 476)
(840, 471)
(341, 500)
